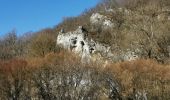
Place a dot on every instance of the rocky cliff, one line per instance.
(78, 42)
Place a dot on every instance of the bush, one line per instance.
(43, 43)
(144, 75)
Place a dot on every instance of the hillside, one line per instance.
(142, 30)
(114, 51)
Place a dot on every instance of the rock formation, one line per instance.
(78, 42)
(99, 19)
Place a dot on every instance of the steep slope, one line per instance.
(140, 31)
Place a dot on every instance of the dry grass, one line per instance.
(143, 75)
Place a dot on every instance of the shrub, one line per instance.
(144, 75)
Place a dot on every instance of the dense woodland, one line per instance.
(33, 67)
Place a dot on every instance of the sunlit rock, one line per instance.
(108, 23)
(130, 55)
(99, 19)
(78, 42)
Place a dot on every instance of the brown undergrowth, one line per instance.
(143, 75)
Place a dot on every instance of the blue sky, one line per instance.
(33, 15)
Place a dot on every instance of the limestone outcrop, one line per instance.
(99, 19)
(78, 42)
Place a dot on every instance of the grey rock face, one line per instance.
(78, 42)
(97, 18)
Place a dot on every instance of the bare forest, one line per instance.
(33, 67)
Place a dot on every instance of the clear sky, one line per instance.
(33, 15)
